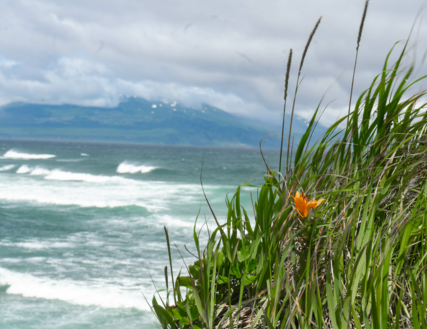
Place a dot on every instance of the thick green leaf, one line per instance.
(248, 279)
(185, 281)
(244, 253)
(194, 271)
(184, 322)
(236, 272)
(222, 279)
(178, 313)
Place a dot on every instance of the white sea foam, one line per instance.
(70, 176)
(175, 222)
(12, 154)
(60, 175)
(84, 154)
(40, 171)
(7, 167)
(100, 195)
(35, 171)
(84, 200)
(37, 244)
(24, 169)
(25, 260)
(86, 190)
(131, 168)
(75, 292)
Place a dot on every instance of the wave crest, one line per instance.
(60, 175)
(74, 292)
(7, 167)
(70, 176)
(131, 168)
(24, 169)
(12, 154)
(35, 171)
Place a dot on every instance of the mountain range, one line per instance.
(136, 120)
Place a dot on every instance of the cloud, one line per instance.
(219, 52)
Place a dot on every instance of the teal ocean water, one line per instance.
(81, 225)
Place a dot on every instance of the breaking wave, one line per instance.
(74, 292)
(131, 168)
(12, 154)
(89, 178)
(7, 167)
(35, 171)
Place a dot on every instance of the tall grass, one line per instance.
(359, 260)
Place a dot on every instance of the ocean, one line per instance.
(82, 225)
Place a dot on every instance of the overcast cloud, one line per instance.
(231, 54)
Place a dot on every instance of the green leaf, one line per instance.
(190, 297)
(184, 322)
(185, 281)
(222, 279)
(304, 139)
(194, 313)
(244, 253)
(252, 265)
(178, 313)
(235, 271)
(194, 271)
(163, 316)
(248, 279)
(220, 258)
(199, 304)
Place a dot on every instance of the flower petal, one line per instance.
(301, 206)
(304, 196)
(299, 203)
(314, 203)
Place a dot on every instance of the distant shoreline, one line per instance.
(73, 141)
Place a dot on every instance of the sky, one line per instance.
(228, 53)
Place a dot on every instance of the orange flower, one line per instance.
(303, 205)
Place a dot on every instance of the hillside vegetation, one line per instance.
(338, 239)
